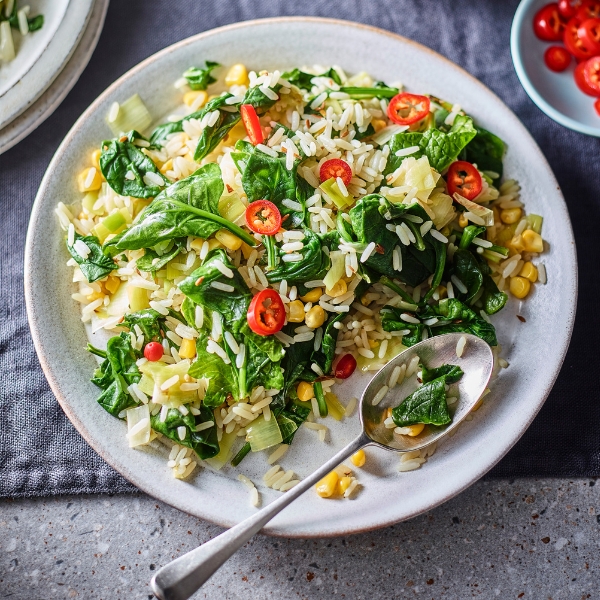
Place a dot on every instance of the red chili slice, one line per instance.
(589, 9)
(266, 314)
(252, 124)
(589, 34)
(336, 167)
(597, 106)
(581, 81)
(557, 58)
(406, 109)
(573, 42)
(263, 217)
(463, 178)
(345, 367)
(567, 8)
(153, 351)
(591, 74)
(548, 24)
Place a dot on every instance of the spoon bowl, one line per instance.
(477, 363)
(180, 578)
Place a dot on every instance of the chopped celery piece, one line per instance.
(263, 434)
(337, 270)
(506, 234)
(535, 222)
(138, 425)
(331, 188)
(336, 408)
(231, 207)
(114, 222)
(132, 114)
(101, 232)
(225, 446)
(138, 298)
(7, 47)
(119, 302)
(88, 203)
(146, 384)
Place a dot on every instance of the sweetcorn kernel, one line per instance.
(197, 97)
(343, 485)
(168, 166)
(296, 312)
(358, 458)
(463, 221)
(378, 124)
(327, 486)
(532, 241)
(237, 75)
(112, 284)
(187, 349)
(511, 215)
(312, 295)
(415, 429)
(519, 287)
(96, 158)
(338, 289)
(305, 391)
(529, 271)
(88, 182)
(315, 317)
(197, 244)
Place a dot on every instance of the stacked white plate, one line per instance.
(47, 64)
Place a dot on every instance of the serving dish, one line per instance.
(43, 56)
(556, 94)
(387, 496)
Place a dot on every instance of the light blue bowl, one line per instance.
(554, 93)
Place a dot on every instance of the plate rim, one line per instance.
(124, 470)
(516, 52)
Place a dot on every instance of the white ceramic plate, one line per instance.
(50, 100)
(535, 349)
(41, 55)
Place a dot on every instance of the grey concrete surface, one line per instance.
(528, 538)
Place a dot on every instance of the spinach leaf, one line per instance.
(493, 299)
(200, 79)
(266, 177)
(325, 354)
(425, 405)
(314, 264)
(34, 23)
(233, 306)
(486, 150)
(147, 262)
(467, 268)
(204, 443)
(149, 321)
(97, 265)
(261, 370)
(469, 233)
(441, 148)
(116, 373)
(184, 208)
(391, 320)
(258, 99)
(125, 166)
(452, 373)
(458, 317)
(304, 80)
(297, 413)
(268, 344)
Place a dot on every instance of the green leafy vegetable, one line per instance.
(441, 148)
(116, 373)
(204, 443)
(125, 167)
(34, 23)
(152, 261)
(97, 265)
(452, 373)
(486, 150)
(149, 321)
(200, 79)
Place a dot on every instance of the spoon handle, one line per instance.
(179, 579)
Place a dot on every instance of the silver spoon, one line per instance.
(180, 578)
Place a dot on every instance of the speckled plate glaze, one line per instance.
(556, 94)
(387, 496)
(41, 55)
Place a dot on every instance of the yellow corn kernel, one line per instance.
(197, 97)
(358, 458)
(496, 214)
(95, 296)
(343, 485)
(197, 244)
(214, 243)
(415, 429)
(511, 215)
(296, 314)
(327, 486)
(519, 286)
(463, 221)
(315, 317)
(96, 158)
(168, 166)
(237, 75)
(112, 284)
(187, 349)
(246, 250)
(338, 289)
(378, 124)
(96, 180)
(529, 272)
(442, 291)
(446, 231)
(305, 391)
(532, 241)
(313, 295)
(230, 241)
(516, 245)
